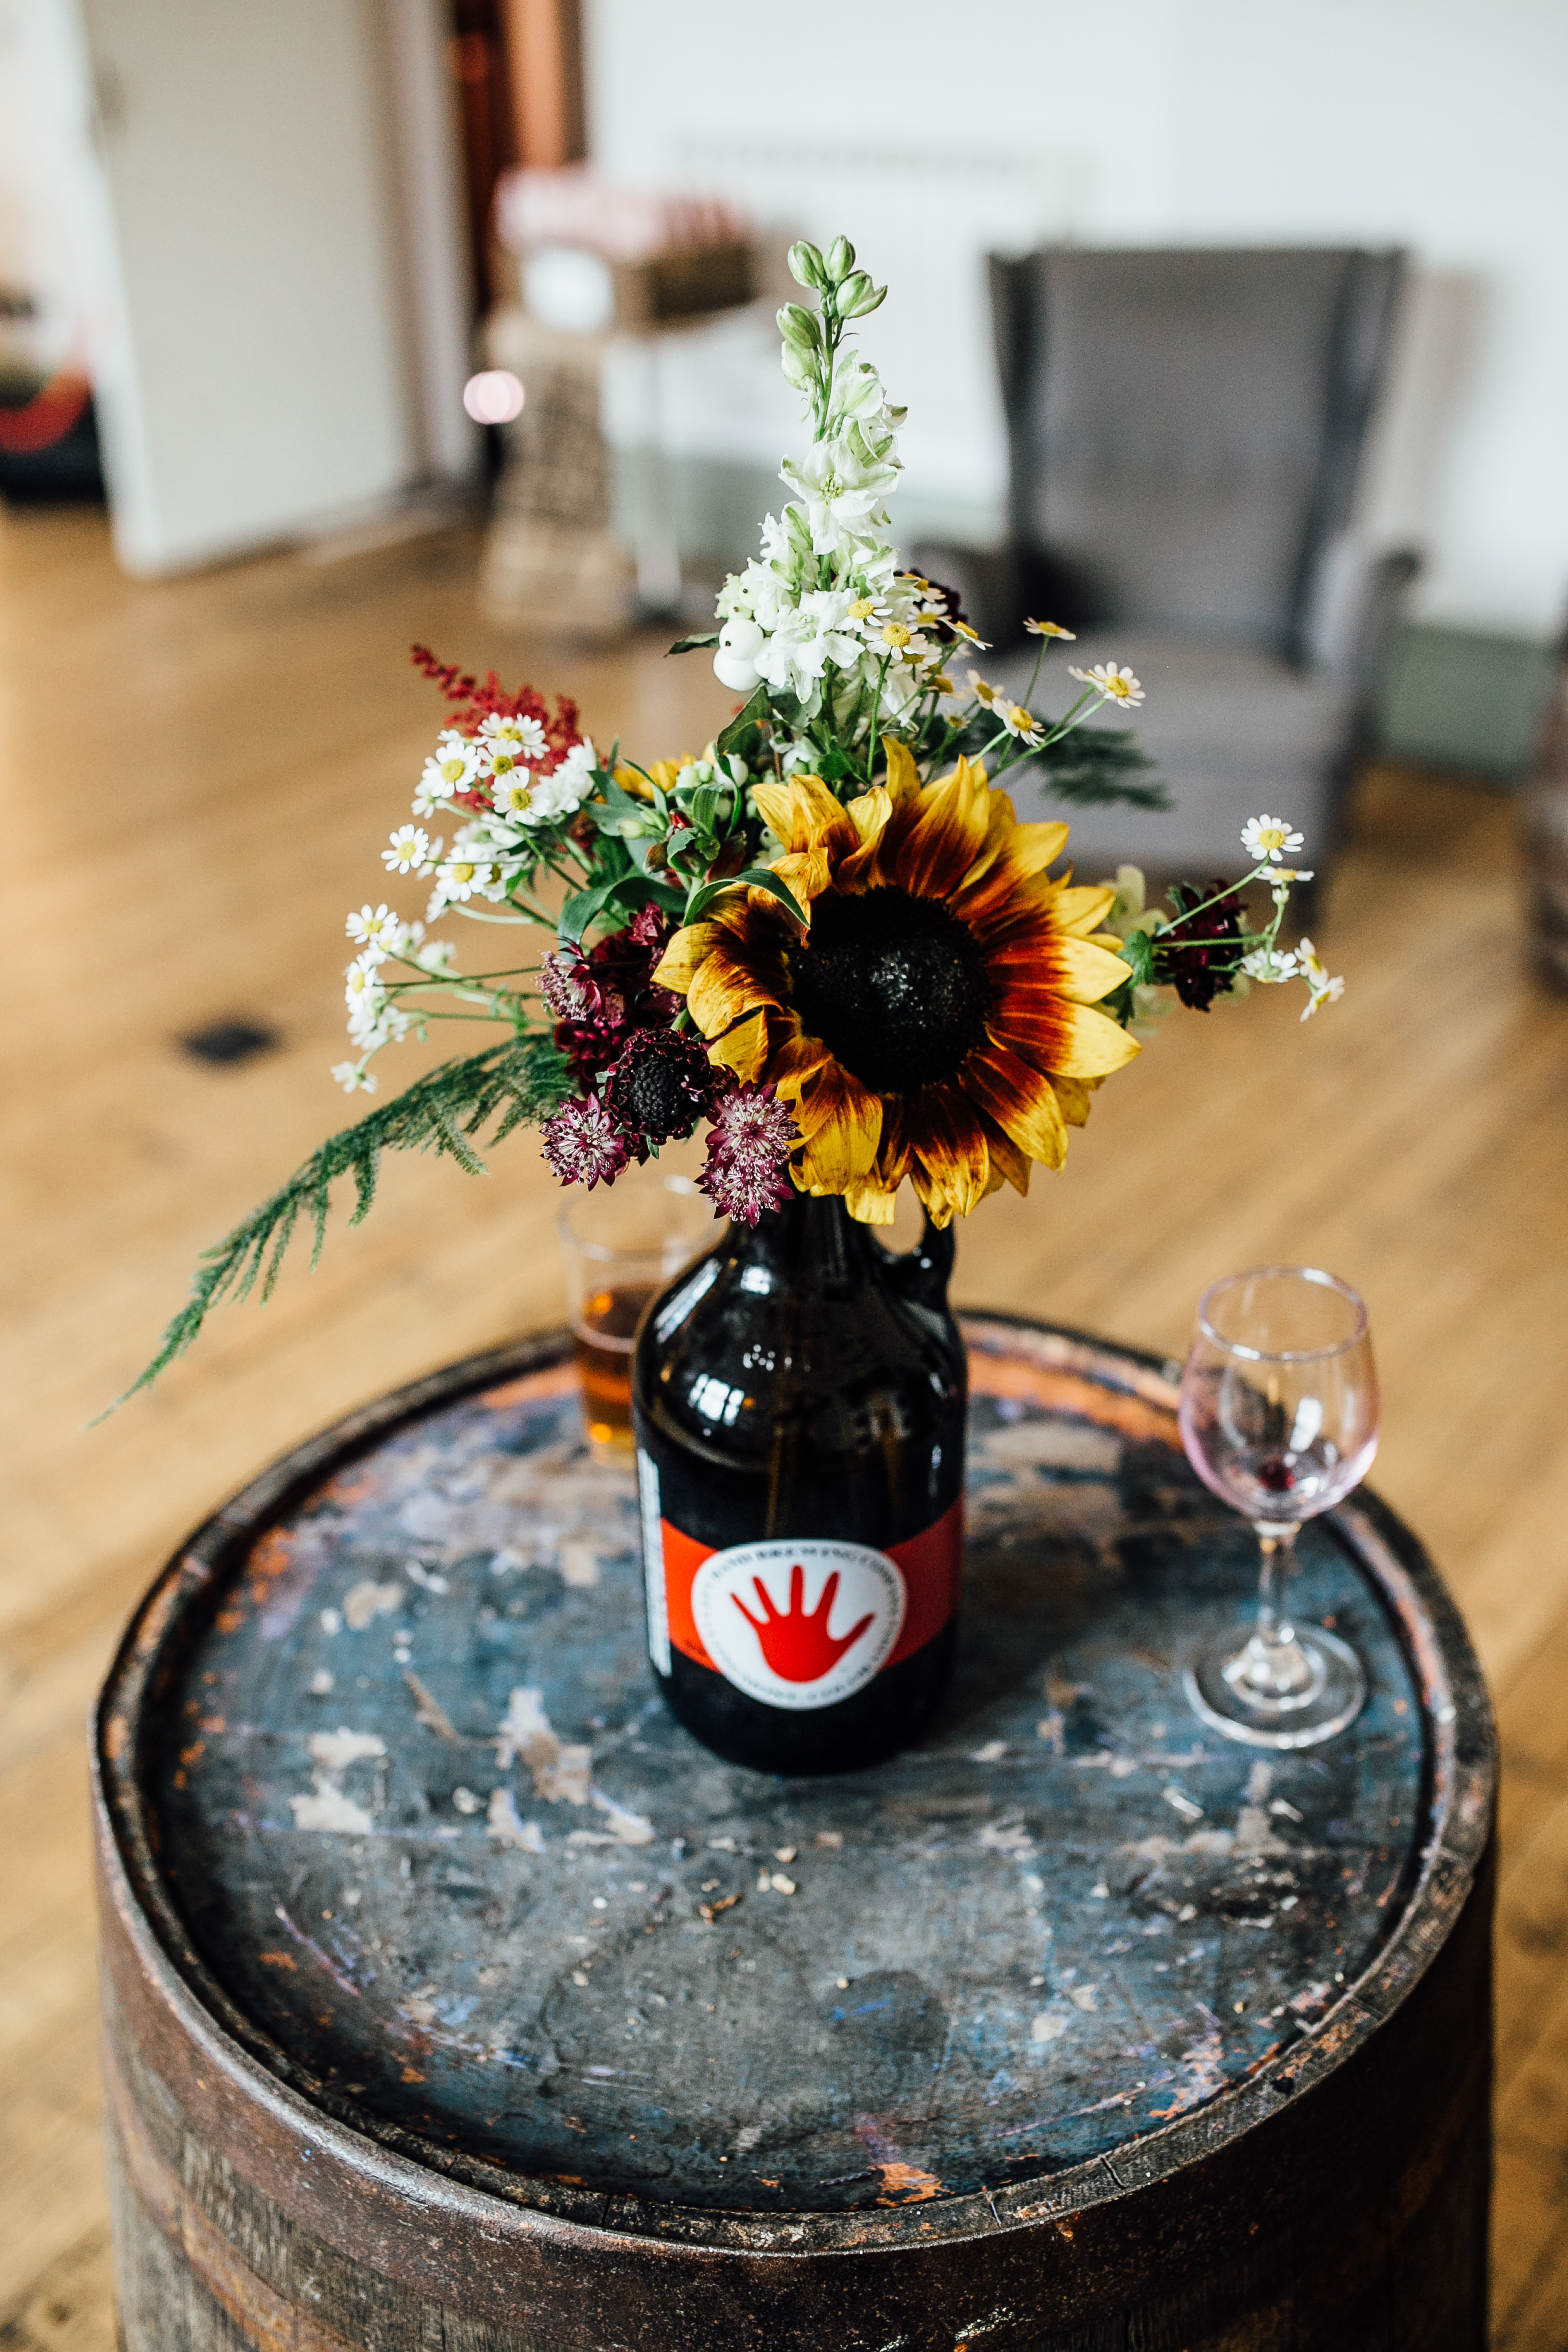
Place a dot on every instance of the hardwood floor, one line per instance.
(198, 777)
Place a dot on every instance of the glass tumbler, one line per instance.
(619, 1245)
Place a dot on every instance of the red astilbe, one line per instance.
(475, 700)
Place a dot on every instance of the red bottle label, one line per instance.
(795, 1624)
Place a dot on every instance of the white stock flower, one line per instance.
(411, 850)
(1266, 839)
(1111, 680)
(1320, 989)
(352, 1076)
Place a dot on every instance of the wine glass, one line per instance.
(1278, 1416)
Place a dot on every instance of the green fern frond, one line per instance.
(517, 1082)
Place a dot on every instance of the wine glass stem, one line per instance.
(1273, 1625)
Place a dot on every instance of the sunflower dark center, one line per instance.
(894, 986)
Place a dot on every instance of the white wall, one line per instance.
(257, 213)
(930, 132)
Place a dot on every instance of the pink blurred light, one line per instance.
(494, 397)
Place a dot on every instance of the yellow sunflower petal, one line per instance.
(869, 1204)
(952, 819)
(1011, 850)
(1084, 909)
(1019, 1099)
(1006, 1160)
(950, 1146)
(746, 1050)
(841, 1122)
(903, 777)
(1084, 972)
(723, 986)
(797, 1059)
(806, 814)
(1096, 1045)
(805, 874)
(686, 953)
(1074, 1098)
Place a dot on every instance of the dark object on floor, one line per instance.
(452, 1987)
(224, 1042)
(1185, 432)
(1545, 826)
(49, 441)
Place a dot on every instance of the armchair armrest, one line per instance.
(1357, 609)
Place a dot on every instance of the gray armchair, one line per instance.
(1185, 430)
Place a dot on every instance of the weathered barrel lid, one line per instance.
(389, 1796)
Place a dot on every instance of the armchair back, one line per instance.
(1186, 426)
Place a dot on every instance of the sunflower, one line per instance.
(935, 1017)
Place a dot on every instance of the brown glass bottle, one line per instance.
(798, 1405)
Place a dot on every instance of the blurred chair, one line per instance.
(1185, 430)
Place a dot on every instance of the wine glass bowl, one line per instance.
(1278, 1416)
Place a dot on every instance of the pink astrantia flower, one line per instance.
(584, 1144)
(748, 1154)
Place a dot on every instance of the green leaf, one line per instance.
(702, 807)
(694, 645)
(751, 714)
(753, 877)
(521, 1080)
(1136, 951)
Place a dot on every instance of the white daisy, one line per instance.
(351, 1076)
(983, 690)
(1266, 839)
(523, 738)
(451, 768)
(1050, 629)
(1269, 964)
(1021, 723)
(377, 928)
(970, 636)
(436, 955)
(513, 796)
(1114, 682)
(1321, 990)
(458, 879)
(411, 851)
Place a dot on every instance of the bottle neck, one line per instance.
(816, 1243)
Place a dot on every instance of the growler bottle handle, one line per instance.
(922, 1274)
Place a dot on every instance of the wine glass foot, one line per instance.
(1228, 1685)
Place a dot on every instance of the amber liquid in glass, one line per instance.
(601, 1342)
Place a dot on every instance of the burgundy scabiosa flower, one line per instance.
(660, 1087)
(1196, 954)
(584, 1144)
(748, 1154)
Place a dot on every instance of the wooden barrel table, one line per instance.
(457, 1997)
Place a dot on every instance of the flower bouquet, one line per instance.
(826, 940)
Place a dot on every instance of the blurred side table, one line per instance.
(553, 558)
